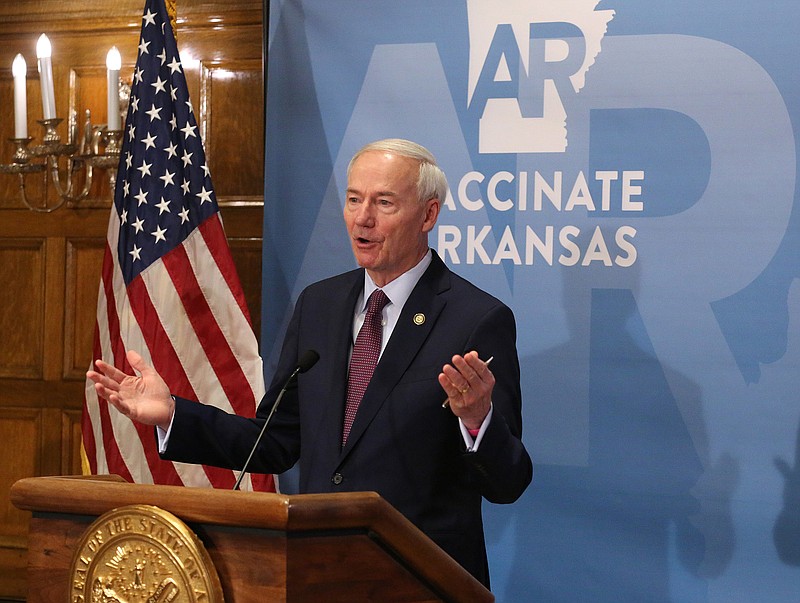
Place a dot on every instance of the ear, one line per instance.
(432, 207)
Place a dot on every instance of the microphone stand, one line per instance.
(264, 428)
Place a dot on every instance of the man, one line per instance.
(435, 335)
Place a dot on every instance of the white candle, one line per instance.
(20, 69)
(43, 52)
(113, 64)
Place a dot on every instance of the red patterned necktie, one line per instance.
(365, 356)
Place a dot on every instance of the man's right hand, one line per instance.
(144, 398)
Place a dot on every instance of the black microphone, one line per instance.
(307, 360)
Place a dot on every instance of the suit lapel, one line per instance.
(408, 336)
(340, 316)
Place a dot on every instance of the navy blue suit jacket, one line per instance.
(403, 444)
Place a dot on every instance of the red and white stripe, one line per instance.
(186, 315)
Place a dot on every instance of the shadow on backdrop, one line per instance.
(611, 531)
(786, 532)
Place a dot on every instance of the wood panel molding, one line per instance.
(21, 431)
(50, 262)
(74, 17)
(71, 442)
(22, 304)
(84, 264)
(231, 106)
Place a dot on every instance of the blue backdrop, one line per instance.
(623, 175)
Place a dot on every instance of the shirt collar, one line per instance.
(399, 290)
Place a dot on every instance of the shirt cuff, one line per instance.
(163, 436)
(473, 443)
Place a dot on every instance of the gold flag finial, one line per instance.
(172, 11)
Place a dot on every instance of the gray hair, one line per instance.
(431, 183)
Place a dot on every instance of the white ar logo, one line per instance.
(524, 56)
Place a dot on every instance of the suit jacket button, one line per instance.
(337, 479)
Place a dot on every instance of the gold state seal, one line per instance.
(141, 553)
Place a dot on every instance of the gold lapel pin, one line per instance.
(419, 318)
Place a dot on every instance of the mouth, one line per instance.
(364, 241)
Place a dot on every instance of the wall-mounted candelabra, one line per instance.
(60, 164)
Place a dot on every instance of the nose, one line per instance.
(365, 215)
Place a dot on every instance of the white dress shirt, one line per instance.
(398, 291)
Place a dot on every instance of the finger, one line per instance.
(456, 377)
(137, 362)
(118, 403)
(475, 363)
(103, 392)
(479, 365)
(466, 366)
(100, 390)
(109, 370)
(480, 373)
(465, 369)
(103, 381)
(449, 389)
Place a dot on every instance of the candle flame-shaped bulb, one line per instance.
(43, 48)
(113, 59)
(19, 67)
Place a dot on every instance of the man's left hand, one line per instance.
(468, 383)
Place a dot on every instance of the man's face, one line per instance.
(387, 224)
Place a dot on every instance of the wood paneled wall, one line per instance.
(50, 262)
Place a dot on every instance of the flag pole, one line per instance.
(265, 65)
(172, 11)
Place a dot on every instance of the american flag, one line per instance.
(169, 288)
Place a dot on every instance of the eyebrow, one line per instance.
(378, 194)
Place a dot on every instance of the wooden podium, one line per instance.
(265, 547)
